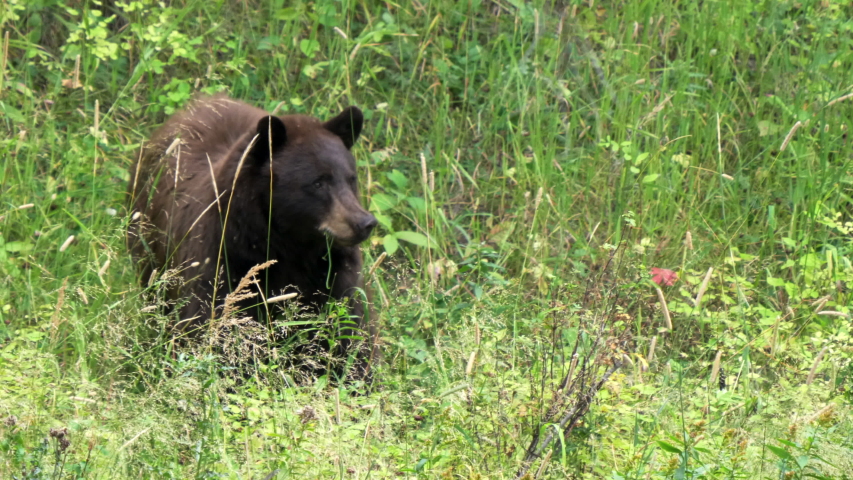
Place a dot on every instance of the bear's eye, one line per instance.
(321, 182)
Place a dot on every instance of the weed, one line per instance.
(663, 186)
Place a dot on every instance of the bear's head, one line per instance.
(313, 177)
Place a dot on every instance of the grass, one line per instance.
(530, 163)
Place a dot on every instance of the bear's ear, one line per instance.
(346, 125)
(271, 133)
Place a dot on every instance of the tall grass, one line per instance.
(529, 164)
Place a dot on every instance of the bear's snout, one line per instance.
(348, 223)
(364, 226)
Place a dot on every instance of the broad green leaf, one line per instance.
(288, 14)
(779, 452)
(19, 247)
(309, 47)
(417, 203)
(398, 178)
(651, 177)
(668, 447)
(416, 238)
(384, 220)
(12, 113)
(381, 202)
(391, 244)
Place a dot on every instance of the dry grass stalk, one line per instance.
(77, 72)
(424, 174)
(241, 292)
(281, 298)
(152, 277)
(833, 102)
(470, 367)
(829, 268)
(655, 111)
(228, 214)
(688, 240)
(200, 215)
(719, 141)
(775, 342)
(703, 287)
(544, 464)
(385, 302)
(104, 268)
(55, 320)
(82, 296)
(815, 364)
(651, 356)
(790, 136)
(173, 145)
(135, 437)
(26, 206)
(832, 313)
(354, 51)
(715, 368)
(570, 375)
(820, 302)
(4, 59)
(664, 309)
(67, 243)
(376, 264)
(820, 413)
(97, 118)
(341, 33)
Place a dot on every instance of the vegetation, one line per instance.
(530, 164)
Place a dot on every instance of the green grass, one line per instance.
(529, 163)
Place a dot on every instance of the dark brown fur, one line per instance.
(300, 209)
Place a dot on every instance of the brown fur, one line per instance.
(297, 205)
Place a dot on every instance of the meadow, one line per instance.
(614, 242)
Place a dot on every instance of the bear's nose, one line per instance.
(366, 225)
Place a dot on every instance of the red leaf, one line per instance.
(664, 277)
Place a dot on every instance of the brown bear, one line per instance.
(223, 186)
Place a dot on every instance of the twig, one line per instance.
(567, 422)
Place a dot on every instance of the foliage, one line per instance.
(534, 167)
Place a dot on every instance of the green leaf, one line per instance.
(309, 47)
(12, 113)
(668, 447)
(288, 14)
(391, 244)
(779, 452)
(398, 178)
(765, 127)
(417, 203)
(418, 239)
(651, 177)
(775, 282)
(381, 202)
(18, 247)
(384, 220)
